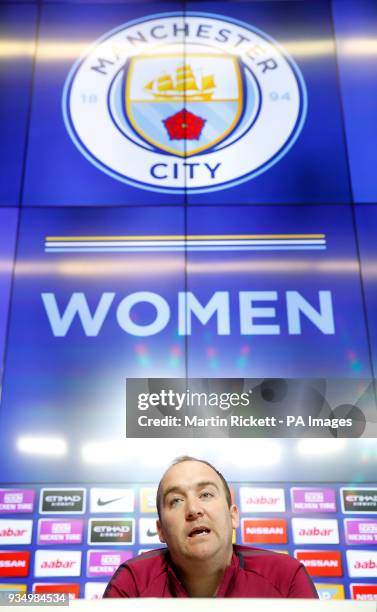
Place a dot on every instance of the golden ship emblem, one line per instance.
(184, 87)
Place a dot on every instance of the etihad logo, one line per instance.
(57, 563)
(111, 500)
(264, 531)
(359, 500)
(111, 531)
(15, 531)
(362, 563)
(321, 562)
(313, 531)
(15, 563)
(67, 501)
(188, 102)
(255, 499)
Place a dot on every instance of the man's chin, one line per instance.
(201, 551)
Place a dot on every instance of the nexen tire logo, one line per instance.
(171, 103)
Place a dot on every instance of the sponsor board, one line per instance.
(255, 499)
(321, 562)
(362, 563)
(329, 591)
(112, 530)
(359, 499)
(14, 563)
(360, 531)
(15, 531)
(111, 500)
(72, 589)
(364, 592)
(264, 531)
(315, 531)
(148, 499)
(94, 590)
(14, 501)
(57, 563)
(313, 499)
(60, 531)
(160, 112)
(148, 531)
(13, 588)
(105, 562)
(64, 501)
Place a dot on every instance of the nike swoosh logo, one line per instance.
(151, 533)
(105, 502)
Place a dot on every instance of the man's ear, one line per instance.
(234, 513)
(160, 531)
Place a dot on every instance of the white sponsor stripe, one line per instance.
(181, 249)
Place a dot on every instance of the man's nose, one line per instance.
(193, 509)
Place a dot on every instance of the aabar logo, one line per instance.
(264, 531)
(321, 562)
(313, 531)
(57, 563)
(184, 102)
(362, 563)
(15, 563)
(15, 531)
(12, 533)
(262, 500)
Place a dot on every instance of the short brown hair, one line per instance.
(188, 458)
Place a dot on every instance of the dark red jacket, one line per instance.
(252, 573)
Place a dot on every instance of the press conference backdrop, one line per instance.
(188, 190)
(72, 539)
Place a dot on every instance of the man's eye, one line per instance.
(174, 502)
(206, 494)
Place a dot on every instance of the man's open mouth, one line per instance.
(199, 531)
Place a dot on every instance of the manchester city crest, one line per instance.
(183, 105)
(156, 106)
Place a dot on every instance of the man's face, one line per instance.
(196, 521)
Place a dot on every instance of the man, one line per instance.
(196, 521)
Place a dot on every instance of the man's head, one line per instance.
(196, 514)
